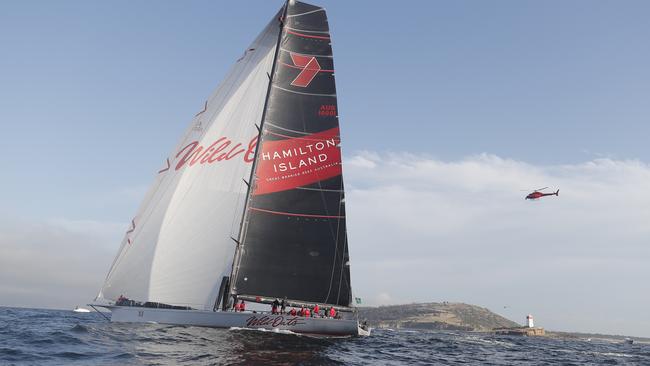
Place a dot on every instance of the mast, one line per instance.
(250, 183)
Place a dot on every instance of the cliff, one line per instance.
(452, 316)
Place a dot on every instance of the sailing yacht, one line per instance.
(250, 204)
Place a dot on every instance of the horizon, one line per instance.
(444, 118)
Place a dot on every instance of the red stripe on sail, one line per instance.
(309, 138)
(296, 214)
(301, 68)
(306, 35)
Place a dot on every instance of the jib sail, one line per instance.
(178, 246)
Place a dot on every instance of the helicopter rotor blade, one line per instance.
(541, 189)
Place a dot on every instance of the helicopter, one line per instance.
(537, 194)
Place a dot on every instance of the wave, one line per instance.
(274, 330)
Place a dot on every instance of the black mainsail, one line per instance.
(293, 241)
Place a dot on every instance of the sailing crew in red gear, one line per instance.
(306, 313)
(121, 300)
(274, 306)
(293, 312)
(332, 312)
(316, 310)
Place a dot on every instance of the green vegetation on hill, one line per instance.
(452, 316)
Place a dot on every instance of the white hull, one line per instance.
(227, 319)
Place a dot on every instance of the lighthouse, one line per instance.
(529, 321)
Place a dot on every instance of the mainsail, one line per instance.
(179, 244)
(294, 243)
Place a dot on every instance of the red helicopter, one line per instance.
(537, 194)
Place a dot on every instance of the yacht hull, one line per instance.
(229, 319)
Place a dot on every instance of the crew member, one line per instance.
(274, 306)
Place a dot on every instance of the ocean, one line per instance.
(55, 337)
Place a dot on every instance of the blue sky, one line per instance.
(94, 95)
(100, 88)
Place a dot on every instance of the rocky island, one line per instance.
(433, 315)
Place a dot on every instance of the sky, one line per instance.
(448, 109)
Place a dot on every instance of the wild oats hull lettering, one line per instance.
(273, 321)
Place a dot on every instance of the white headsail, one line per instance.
(179, 244)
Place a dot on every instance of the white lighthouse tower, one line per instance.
(529, 321)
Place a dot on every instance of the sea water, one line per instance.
(54, 337)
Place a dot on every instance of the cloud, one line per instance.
(423, 229)
(383, 298)
(57, 264)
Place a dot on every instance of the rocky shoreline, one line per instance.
(438, 316)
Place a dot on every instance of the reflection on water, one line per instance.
(194, 345)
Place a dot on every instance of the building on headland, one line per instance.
(529, 330)
(523, 331)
